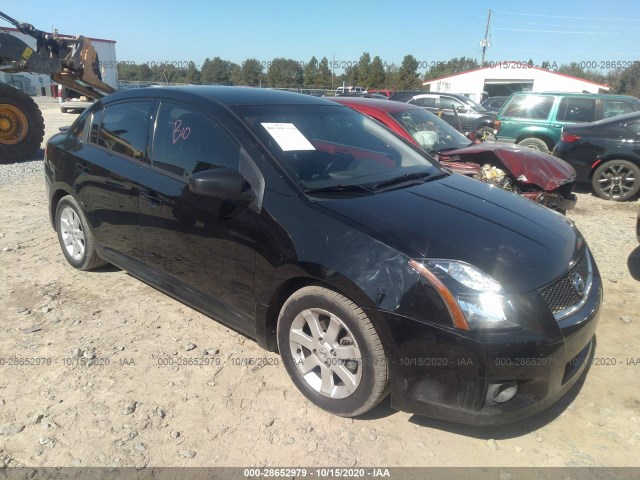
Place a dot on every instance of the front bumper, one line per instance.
(450, 375)
(552, 200)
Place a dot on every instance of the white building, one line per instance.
(504, 78)
(42, 85)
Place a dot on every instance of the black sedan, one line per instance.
(318, 232)
(605, 153)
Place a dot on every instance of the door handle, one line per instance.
(152, 198)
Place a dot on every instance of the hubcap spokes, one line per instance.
(617, 181)
(72, 233)
(325, 353)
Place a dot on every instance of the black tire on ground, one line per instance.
(534, 144)
(617, 180)
(63, 110)
(73, 231)
(329, 348)
(12, 98)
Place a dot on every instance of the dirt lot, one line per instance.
(99, 393)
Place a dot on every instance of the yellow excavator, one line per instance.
(72, 62)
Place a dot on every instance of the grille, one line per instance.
(561, 294)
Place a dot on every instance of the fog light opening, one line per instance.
(502, 392)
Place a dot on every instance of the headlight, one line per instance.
(475, 300)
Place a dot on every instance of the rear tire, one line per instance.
(332, 352)
(617, 180)
(21, 125)
(75, 236)
(534, 144)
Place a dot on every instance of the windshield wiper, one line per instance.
(339, 188)
(402, 179)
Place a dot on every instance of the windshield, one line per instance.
(326, 146)
(432, 133)
(476, 106)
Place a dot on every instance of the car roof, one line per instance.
(617, 119)
(579, 94)
(388, 106)
(222, 95)
(459, 96)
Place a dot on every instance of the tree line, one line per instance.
(366, 72)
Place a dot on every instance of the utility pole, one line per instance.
(484, 43)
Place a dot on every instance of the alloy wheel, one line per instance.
(326, 353)
(617, 181)
(72, 233)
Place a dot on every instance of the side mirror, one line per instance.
(462, 109)
(222, 183)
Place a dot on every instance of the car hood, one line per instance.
(525, 164)
(521, 244)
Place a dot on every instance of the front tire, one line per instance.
(534, 144)
(75, 236)
(617, 180)
(332, 352)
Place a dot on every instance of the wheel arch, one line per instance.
(540, 136)
(267, 313)
(55, 197)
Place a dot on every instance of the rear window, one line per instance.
(611, 108)
(575, 109)
(123, 128)
(529, 106)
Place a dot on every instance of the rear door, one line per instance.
(107, 171)
(205, 245)
(572, 110)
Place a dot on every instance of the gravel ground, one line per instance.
(81, 410)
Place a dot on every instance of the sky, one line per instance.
(558, 31)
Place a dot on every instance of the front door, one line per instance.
(205, 245)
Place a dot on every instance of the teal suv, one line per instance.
(535, 120)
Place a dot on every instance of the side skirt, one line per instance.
(181, 292)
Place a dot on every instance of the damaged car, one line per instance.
(535, 175)
(318, 232)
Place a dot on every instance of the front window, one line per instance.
(432, 133)
(448, 103)
(323, 146)
(187, 141)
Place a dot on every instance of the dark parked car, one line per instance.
(494, 104)
(457, 110)
(605, 153)
(535, 175)
(315, 230)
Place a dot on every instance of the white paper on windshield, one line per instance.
(288, 136)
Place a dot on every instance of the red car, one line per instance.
(538, 176)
